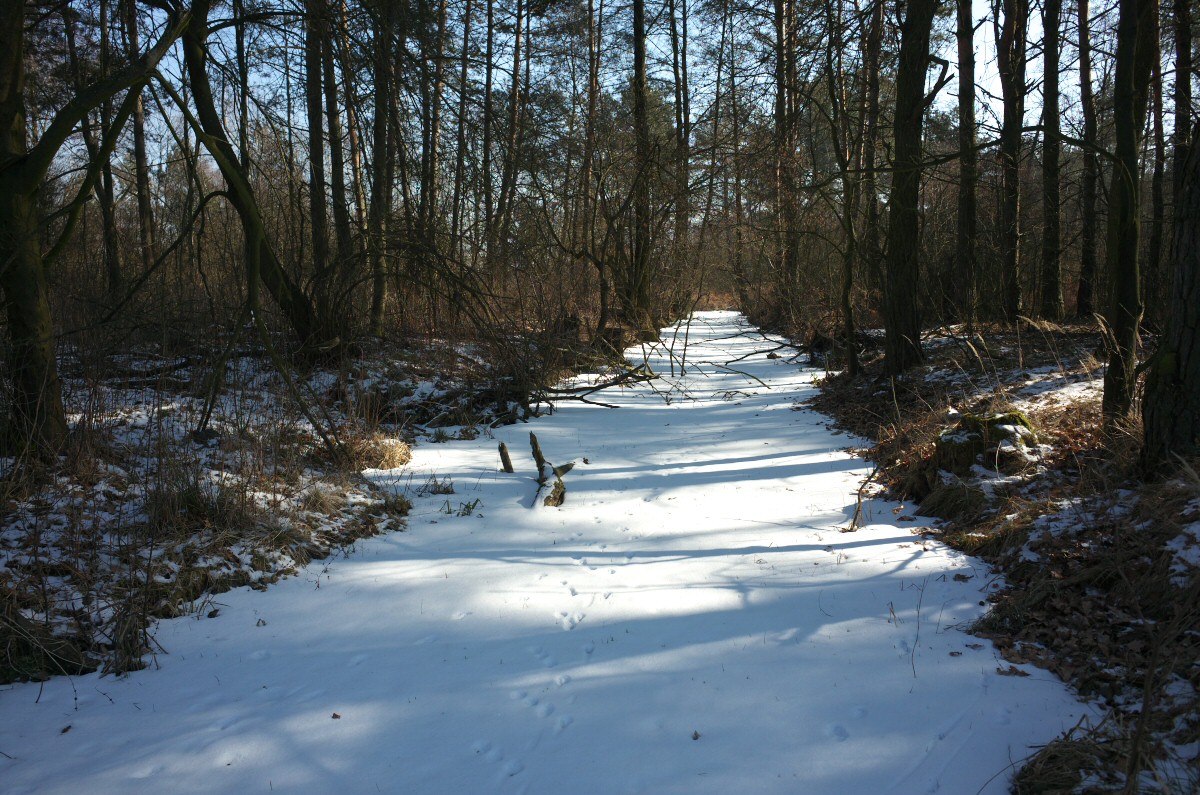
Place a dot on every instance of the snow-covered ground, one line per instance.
(691, 620)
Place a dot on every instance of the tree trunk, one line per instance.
(264, 265)
(1137, 47)
(787, 257)
(741, 281)
(1171, 408)
(488, 122)
(106, 188)
(508, 177)
(586, 234)
(37, 423)
(870, 248)
(337, 164)
(461, 153)
(1153, 279)
(715, 157)
(1085, 305)
(584, 216)
(243, 84)
(902, 318)
(636, 290)
(967, 164)
(102, 187)
(1052, 294)
(431, 151)
(1011, 34)
(318, 213)
(352, 121)
(381, 169)
(141, 163)
(1183, 95)
(848, 152)
(683, 134)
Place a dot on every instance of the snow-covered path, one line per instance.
(690, 621)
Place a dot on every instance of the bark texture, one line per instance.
(1171, 409)
(902, 341)
(1137, 47)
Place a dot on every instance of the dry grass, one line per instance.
(133, 525)
(320, 498)
(1062, 765)
(377, 451)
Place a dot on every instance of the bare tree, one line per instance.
(1171, 409)
(1052, 294)
(968, 167)
(1183, 93)
(902, 341)
(262, 265)
(1012, 29)
(1137, 35)
(37, 423)
(636, 286)
(1084, 297)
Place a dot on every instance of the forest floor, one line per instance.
(718, 604)
(1101, 570)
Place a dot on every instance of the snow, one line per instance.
(691, 620)
(1185, 552)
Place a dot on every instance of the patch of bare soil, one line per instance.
(999, 435)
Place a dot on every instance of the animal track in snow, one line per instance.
(569, 620)
(546, 659)
(837, 732)
(495, 754)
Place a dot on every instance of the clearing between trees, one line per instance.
(692, 618)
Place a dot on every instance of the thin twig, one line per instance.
(917, 638)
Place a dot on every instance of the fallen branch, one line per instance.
(855, 522)
(631, 376)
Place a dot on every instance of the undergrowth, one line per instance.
(183, 479)
(1093, 588)
(177, 488)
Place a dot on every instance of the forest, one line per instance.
(176, 173)
(415, 218)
